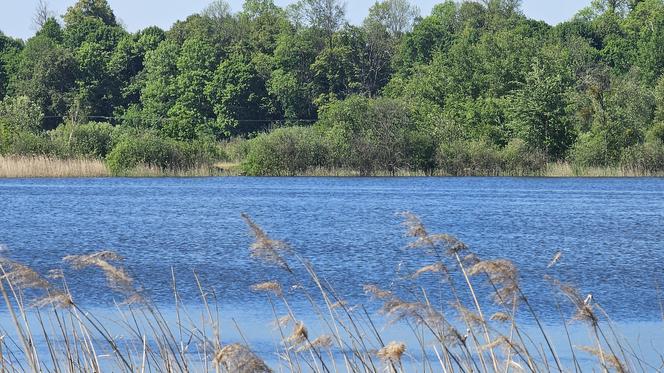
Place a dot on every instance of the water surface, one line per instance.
(609, 230)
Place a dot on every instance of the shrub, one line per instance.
(465, 158)
(150, 150)
(30, 143)
(20, 114)
(656, 132)
(87, 140)
(201, 152)
(590, 150)
(644, 158)
(147, 150)
(19, 117)
(368, 135)
(236, 149)
(519, 159)
(285, 151)
(421, 154)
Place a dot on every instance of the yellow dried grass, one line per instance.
(41, 166)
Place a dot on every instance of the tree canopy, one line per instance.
(478, 71)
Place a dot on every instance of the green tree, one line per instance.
(239, 96)
(192, 111)
(645, 29)
(291, 80)
(262, 22)
(614, 113)
(126, 66)
(20, 114)
(396, 16)
(19, 118)
(538, 112)
(159, 92)
(83, 9)
(337, 68)
(46, 73)
(52, 30)
(430, 35)
(369, 135)
(659, 100)
(325, 16)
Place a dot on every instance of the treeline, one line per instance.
(473, 88)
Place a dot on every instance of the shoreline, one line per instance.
(42, 167)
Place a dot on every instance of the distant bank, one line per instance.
(48, 167)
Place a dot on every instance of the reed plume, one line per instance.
(501, 317)
(283, 321)
(584, 307)
(611, 360)
(503, 275)
(24, 277)
(270, 287)
(392, 353)
(471, 318)
(555, 259)
(264, 248)
(300, 334)
(433, 268)
(323, 342)
(377, 292)
(236, 358)
(116, 276)
(416, 229)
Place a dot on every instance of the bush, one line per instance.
(590, 150)
(421, 154)
(30, 143)
(236, 149)
(285, 151)
(20, 114)
(369, 135)
(656, 132)
(87, 140)
(147, 149)
(519, 159)
(201, 152)
(20, 121)
(646, 158)
(466, 158)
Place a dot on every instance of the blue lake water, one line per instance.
(611, 231)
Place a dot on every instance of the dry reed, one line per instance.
(46, 167)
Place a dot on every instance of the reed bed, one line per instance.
(43, 167)
(565, 169)
(465, 335)
(48, 167)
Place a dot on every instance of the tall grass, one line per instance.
(466, 335)
(49, 167)
(40, 166)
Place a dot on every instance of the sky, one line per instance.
(16, 16)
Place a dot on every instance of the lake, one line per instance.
(610, 233)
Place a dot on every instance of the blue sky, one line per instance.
(15, 18)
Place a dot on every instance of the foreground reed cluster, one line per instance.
(470, 333)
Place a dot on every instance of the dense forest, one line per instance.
(473, 88)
